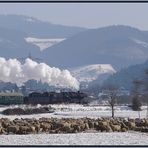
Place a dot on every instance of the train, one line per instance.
(55, 98)
(42, 98)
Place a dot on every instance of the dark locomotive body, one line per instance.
(54, 97)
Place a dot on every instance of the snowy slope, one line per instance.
(43, 43)
(92, 72)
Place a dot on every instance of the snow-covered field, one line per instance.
(128, 138)
(79, 111)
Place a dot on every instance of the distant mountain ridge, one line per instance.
(120, 46)
(14, 29)
(103, 51)
(36, 28)
(117, 45)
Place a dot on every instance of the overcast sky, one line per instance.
(85, 15)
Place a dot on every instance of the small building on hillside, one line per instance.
(11, 98)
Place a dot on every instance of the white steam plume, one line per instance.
(13, 71)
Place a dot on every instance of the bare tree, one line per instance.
(112, 95)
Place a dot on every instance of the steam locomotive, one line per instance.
(54, 97)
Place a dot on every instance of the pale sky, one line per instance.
(92, 15)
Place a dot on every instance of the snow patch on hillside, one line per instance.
(44, 43)
(144, 44)
(29, 19)
(92, 72)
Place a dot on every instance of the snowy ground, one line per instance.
(131, 138)
(80, 111)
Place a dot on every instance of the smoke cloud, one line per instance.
(13, 71)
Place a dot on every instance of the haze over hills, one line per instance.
(120, 46)
(16, 29)
(125, 77)
(13, 44)
(37, 28)
(69, 47)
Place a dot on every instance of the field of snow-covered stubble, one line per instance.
(79, 111)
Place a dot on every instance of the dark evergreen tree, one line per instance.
(136, 102)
